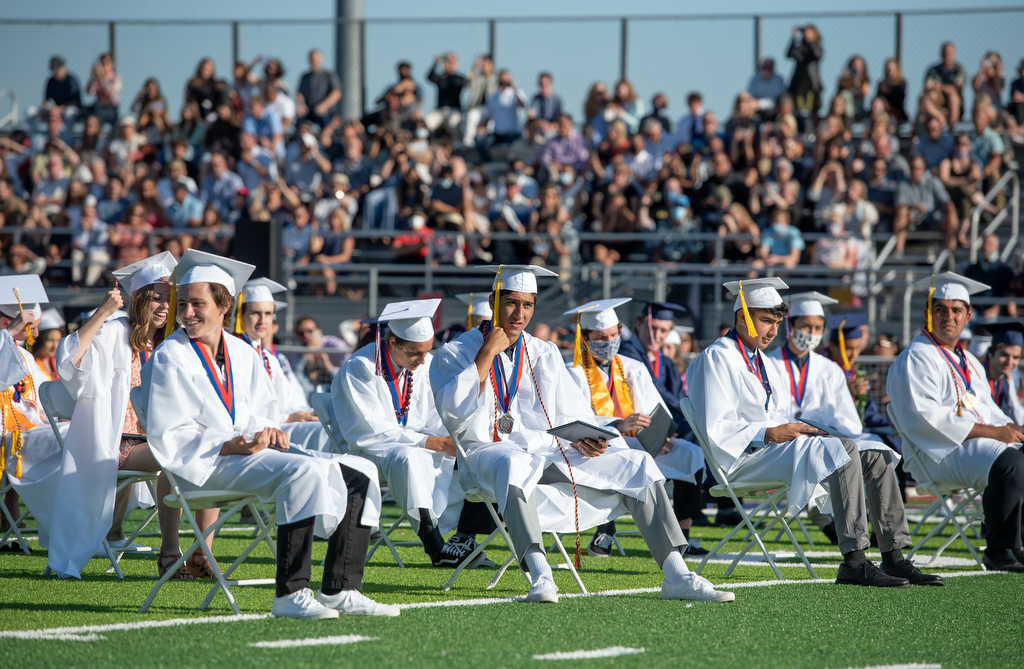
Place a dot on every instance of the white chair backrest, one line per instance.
(139, 404)
(322, 407)
(57, 403)
(699, 431)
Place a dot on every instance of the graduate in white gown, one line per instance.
(1002, 358)
(385, 410)
(499, 391)
(943, 405)
(254, 324)
(12, 370)
(736, 399)
(621, 392)
(211, 412)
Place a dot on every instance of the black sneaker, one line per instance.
(870, 575)
(906, 569)
(456, 550)
(600, 546)
(694, 549)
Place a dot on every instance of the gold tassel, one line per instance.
(469, 313)
(238, 315)
(931, 292)
(29, 339)
(842, 347)
(495, 320)
(751, 330)
(16, 444)
(172, 308)
(3, 454)
(577, 355)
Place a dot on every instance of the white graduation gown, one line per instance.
(729, 403)
(187, 433)
(418, 478)
(924, 393)
(826, 399)
(685, 459)
(520, 458)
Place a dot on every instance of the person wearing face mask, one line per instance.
(622, 394)
(999, 275)
(1001, 359)
(411, 246)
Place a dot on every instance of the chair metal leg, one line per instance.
(757, 537)
(472, 556)
(264, 533)
(771, 522)
(385, 538)
(799, 551)
(501, 572)
(569, 564)
(739, 526)
(932, 508)
(13, 522)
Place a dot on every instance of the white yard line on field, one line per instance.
(321, 641)
(613, 651)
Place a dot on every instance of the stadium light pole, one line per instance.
(348, 50)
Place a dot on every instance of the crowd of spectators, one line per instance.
(786, 176)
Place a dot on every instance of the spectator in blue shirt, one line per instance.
(357, 167)
(256, 164)
(111, 208)
(781, 243)
(935, 146)
(297, 236)
(545, 106)
(265, 126)
(220, 187)
(186, 209)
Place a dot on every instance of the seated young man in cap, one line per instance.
(942, 403)
(813, 387)
(211, 415)
(385, 412)
(254, 321)
(736, 401)
(499, 391)
(622, 389)
(1001, 359)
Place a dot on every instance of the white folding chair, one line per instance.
(232, 500)
(58, 403)
(726, 488)
(12, 522)
(324, 410)
(945, 500)
(474, 493)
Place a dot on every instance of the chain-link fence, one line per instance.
(713, 54)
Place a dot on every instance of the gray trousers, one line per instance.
(870, 472)
(654, 518)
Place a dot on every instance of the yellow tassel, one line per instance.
(16, 444)
(29, 339)
(469, 313)
(751, 330)
(931, 292)
(495, 320)
(577, 354)
(3, 454)
(172, 308)
(842, 347)
(238, 315)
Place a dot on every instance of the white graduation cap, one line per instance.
(673, 338)
(683, 330)
(516, 278)
(951, 286)
(145, 272)
(411, 320)
(478, 304)
(21, 292)
(758, 294)
(51, 320)
(599, 314)
(200, 267)
(808, 304)
(262, 290)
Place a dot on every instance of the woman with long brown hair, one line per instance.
(99, 364)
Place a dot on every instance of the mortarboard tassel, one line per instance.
(29, 339)
(931, 292)
(577, 354)
(751, 330)
(172, 308)
(238, 315)
(495, 321)
(469, 313)
(842, 347)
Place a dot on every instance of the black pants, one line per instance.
(1002, 501)
(346, 548)
(475, 519)
(687, 500)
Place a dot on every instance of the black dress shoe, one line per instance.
(830, 532)
(700, 520)
(1018, 553)
(1001, 561)
(906, 569)
(868, 574)
(728, 518)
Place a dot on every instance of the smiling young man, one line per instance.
(385, 411)
(499, 391)
(736, 399)
(943, 403)
(1001, 359)
(622, 393)
(814, 387)
(211, 418)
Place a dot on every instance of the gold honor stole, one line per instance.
(612, 399)
(14, 422)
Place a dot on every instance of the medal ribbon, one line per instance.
(504, 393)
(261, 351)
(798, 388)
(963, 372)
(226, 392)
(757, 370)
(401, 404)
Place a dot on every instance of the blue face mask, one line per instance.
(780, 228)
(605, 350)
(565, 178)
(679, 213)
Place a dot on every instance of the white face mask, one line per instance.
(804, 341)
(992, 257)
(417, 222)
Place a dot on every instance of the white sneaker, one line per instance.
(695, 588)
(543, 590)
(355, 603)
(301, 604)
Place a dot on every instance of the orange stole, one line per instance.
(603, 402)
(15, 422)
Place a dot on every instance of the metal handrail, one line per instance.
(1014, 212)
(12, 116)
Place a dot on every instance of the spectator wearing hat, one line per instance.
(63, 92)
(185, 209)
(319, 91)
(90, 246)
(766, 86)
(221, 185)
(257, 164)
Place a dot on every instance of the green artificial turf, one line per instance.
(971, 622)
